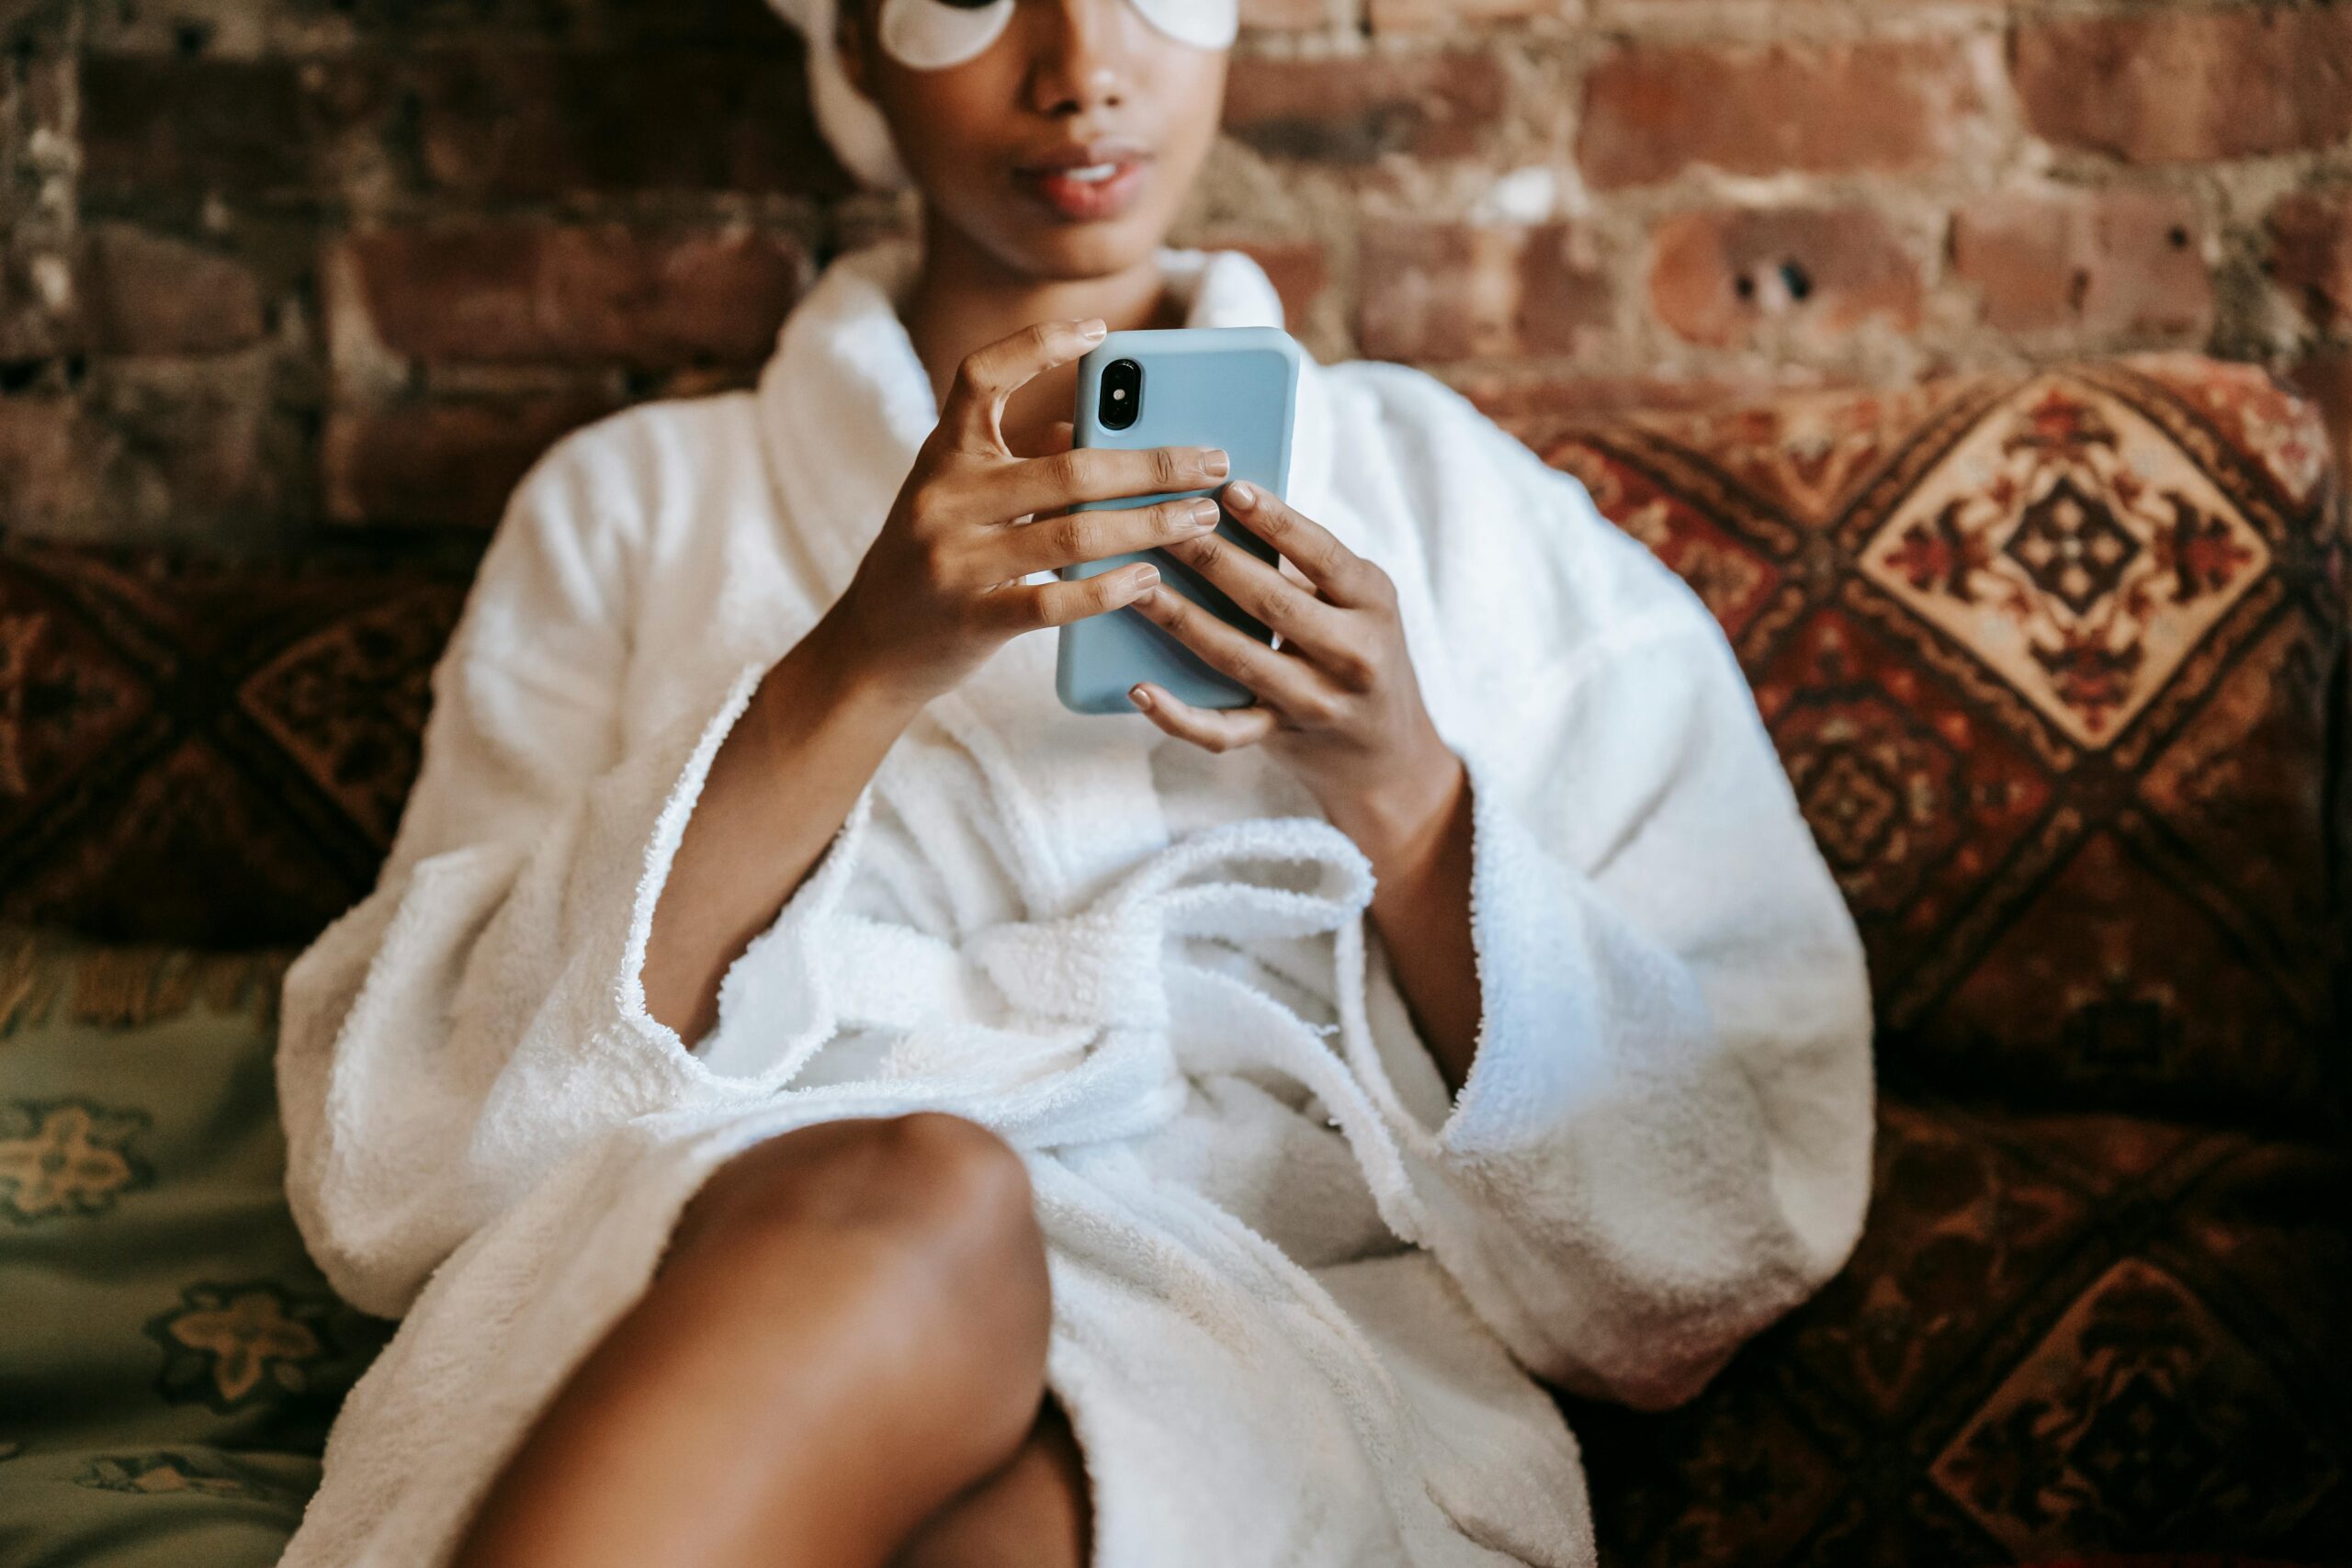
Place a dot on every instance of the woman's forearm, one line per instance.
(1420, 845)
(779, 789)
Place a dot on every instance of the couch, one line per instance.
(2057, 664)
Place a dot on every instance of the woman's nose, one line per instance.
(1083, 55)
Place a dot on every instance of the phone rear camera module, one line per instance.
(1121, 400)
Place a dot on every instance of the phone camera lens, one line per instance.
(1122, 398)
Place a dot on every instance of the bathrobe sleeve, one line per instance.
(482, 1013)
(1664, 1139)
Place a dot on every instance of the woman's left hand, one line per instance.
(1338, 704)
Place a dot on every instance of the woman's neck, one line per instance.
(964, 299)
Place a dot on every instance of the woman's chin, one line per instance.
(1069, 251)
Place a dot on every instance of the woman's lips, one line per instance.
(1088, 192)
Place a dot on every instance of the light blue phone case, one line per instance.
(1230, 387)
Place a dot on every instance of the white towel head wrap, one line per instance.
(931, 35)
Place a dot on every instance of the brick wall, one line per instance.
(270, 267)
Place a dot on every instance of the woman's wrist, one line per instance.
(843, 668)
(856, 666)
(825, 686)
(1406, 812)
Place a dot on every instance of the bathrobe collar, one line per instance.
(844, 405)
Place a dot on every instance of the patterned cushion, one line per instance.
(2051, 659)
(171, 1358)
(197, 753)
(2062, 1332)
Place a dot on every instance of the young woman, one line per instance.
(815, 1101)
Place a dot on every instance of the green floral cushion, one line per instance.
(171, 1359)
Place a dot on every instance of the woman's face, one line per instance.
(1066, 144)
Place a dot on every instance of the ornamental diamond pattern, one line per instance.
(2067, 544)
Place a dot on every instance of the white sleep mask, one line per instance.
(932, 35)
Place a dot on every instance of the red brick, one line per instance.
(1284, 15)
(195, 433)
(1725, 275)
(2164, 86)
(448, 463)
(149, 293)
(32, 324)
(528, 293)
(1298, 269)
(48, 476)
(38, 319)
(743, 25)
(2325, 377)
(1450, 291)
(1437, 16)
(539, 123)
(750, 25)
(1653, 110)
(1355, 110)
(261, 127)
(2114, 264)
(2310, 253)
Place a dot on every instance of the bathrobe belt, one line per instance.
(1104, 1020)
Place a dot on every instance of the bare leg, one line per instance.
(1035, 1512)
(847, 1335)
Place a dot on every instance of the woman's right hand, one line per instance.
(940, 589)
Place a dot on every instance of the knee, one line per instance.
(952, 1180)
(934, 1177)
(956, 1198)
(940, 1203)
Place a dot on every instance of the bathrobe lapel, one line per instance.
(844, 406)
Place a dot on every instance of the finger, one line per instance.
(972, 415)
(1293, 686)
(1214, 729)
(1024, 607)
(1099, 473)
(1053, 543)
(1345, 577)
(1288, 605)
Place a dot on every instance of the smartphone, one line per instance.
(1231, 387)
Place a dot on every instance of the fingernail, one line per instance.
(1215, 463)
(1092, 328)
(1240, 496)
(1147, 577)
(1138, 696)
(1202, 512)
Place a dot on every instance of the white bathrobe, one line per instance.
(1297, 1294)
